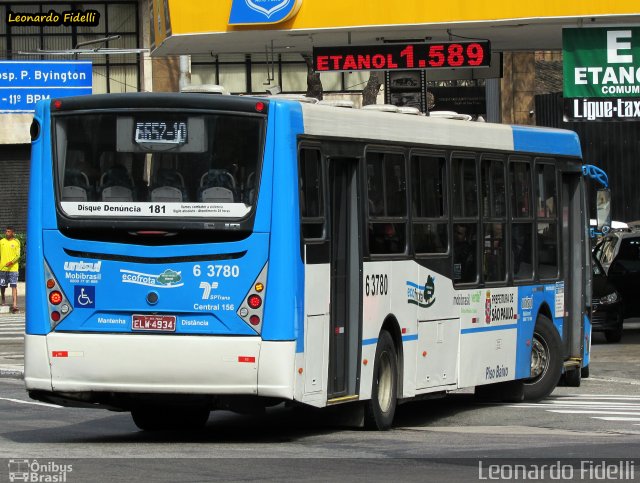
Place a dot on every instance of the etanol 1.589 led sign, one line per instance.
(402, 56)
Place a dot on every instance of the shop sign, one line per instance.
(401, 56)
(252, 12)
(601, 74)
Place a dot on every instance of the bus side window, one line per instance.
(428, 194)
(387, 200)
(465, 214)
(311, 194)
(521, 219)
(547, 226)
(494, 219)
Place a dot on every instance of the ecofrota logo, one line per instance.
(422, 295)
(167, 279)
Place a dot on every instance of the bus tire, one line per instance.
(380, 409)
(573, 377)
(546, 360)
(584, 372)
(161, 418)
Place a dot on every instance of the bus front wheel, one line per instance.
(380, 409)
(546, 360)
(161, 418)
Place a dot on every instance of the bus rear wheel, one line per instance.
(380, 409)
(546, 361)
(164, 418)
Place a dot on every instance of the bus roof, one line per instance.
(366, 124)
(324, 120)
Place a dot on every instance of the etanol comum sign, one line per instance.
(601, 74)
(402, 56)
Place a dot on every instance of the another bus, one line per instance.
(191, 252)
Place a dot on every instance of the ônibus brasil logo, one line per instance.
(422, 295)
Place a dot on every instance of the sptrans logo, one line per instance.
(34, 471)
(422, 295)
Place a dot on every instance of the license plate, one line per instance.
(155, 323)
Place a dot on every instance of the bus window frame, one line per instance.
(446, 217)
(384, 150)
(511, 219)
(542, 161)
(455, 219)
(485, 219)
(306, 145)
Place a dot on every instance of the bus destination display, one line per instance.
(164, 132)
(402, 56)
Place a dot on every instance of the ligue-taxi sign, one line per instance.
(252, 12)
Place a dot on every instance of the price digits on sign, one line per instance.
(445, 55)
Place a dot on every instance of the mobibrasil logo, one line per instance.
(246, 12)
(422, 295)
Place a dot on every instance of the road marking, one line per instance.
(613, 407)
(613, 418)
(20, 401)
(580, 411)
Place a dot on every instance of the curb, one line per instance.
(10, 373)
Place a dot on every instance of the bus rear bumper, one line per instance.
(170, 364)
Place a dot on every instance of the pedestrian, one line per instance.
(9, 256)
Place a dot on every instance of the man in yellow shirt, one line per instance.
(9, 256)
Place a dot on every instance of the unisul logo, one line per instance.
(27, 470)
(422, 295)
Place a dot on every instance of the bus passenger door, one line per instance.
(572, 263)
(345, 269)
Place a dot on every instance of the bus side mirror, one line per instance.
(603, 209)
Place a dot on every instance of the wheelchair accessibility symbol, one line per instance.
(84, 297)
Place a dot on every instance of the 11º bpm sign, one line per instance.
(402, 56)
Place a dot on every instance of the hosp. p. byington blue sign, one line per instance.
(247, 12)
(23, 83)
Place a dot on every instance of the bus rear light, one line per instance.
(254, 301)
(57, 104)
(58, 303)
(251, 310)
(260, 106)
(55, 298)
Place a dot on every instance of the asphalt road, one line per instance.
(437, 440)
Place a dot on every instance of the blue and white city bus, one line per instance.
(190, 252)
